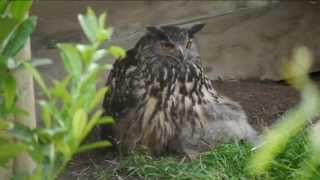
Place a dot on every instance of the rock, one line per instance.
(242, 39)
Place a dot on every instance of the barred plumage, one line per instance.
(162, 100)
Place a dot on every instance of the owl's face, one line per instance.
(172, 41)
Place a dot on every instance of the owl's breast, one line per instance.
(157, 98)
(178, 88)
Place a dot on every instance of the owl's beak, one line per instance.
(181, 52)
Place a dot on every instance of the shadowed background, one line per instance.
(243, 40)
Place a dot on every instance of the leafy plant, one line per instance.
(14, 32)
(298, 118)
(68, 114)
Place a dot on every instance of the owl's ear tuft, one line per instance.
(195, 28)
(152, 29)
(156, 31)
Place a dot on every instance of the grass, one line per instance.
(227, 161)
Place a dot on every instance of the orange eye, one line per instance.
(189, 44)
(167, 45)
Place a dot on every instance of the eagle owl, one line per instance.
(162, 100)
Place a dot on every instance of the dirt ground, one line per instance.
(264, 102)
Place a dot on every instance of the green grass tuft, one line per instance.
(227, 161)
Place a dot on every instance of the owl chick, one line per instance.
(162, 100)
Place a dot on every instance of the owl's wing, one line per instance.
(121, 82)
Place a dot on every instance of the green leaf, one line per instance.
(22, 133)
(5, 125)
(64, 148)
(8, 27)
(104, 34)
(89, 24)
(37, 152)
(20, 37)
(86, 52)
(50, 134)
(78, 102)
(87, 85)
(9, 90)
(71, 59)
(97, 119)
(10, 152)
(46, 114)
(38, 174)
(102, 19)
(4, 139)
(95, 145)
(99, 54)
(44, 135)
(93, 121)
(98, 97)
(3, 67)
(105, 120)
(89, 80)
(59, 90)
(38, 78)
(79, 123)
(20, 9)
(117, 52)
(3, 6)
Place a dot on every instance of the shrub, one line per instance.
(294, 122)
(68, 114)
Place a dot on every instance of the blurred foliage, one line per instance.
(14, 33)
(68, 113)
(299, 118)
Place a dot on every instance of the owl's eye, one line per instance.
(167, 45)
(189, 44)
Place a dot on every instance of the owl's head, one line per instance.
(173, 41)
